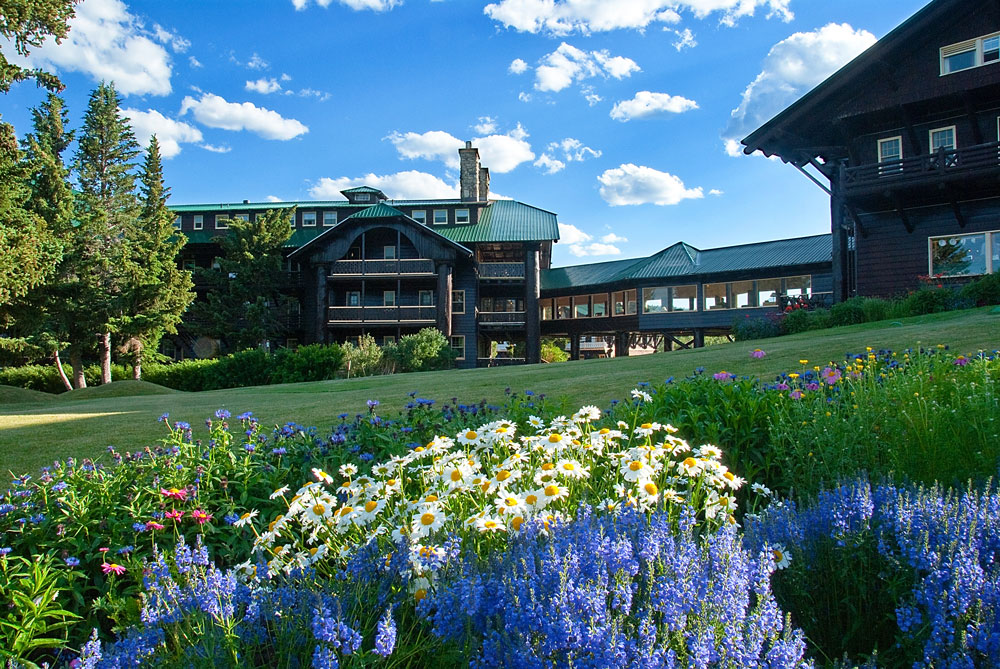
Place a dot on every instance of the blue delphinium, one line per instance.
(385, 638)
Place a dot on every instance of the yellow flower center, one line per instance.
(456, 475)
(531, 499)
(312, 551)
(490, 524)
(501, 430)
(651, 488)
(427, 519)
(503, 475)
(245, 516)
(419, 449)
(548, 466)
(569, 466)
(729, 476)
(391, 482)
(371, 506)
(551, 490)
(647, 426)
(346, 510)
(555, 438)
(516, 522)
(431, 498)
(635, 465)
(470, 435)
(319, 509)
(510, 501)
(690, 463)
(420, 594)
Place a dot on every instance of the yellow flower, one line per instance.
(803, 362)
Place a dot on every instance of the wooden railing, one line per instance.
(487, 317)
(499, 362)
(381, 314)
(381, 267)
(923, 167)
(501, 270)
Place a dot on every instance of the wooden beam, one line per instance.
(911, 133)
(970, 111)
(957, 210)
(858, 225)
(842, 126)
(903, 216)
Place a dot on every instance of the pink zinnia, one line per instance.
(200, 516)
(174, 493)
(102, 550)
(757, 353)
(152, 525)
(174, 514)
(112, 568)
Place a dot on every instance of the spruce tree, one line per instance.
(158, 291)
(107, 210)
(245, 306)
(26, 24)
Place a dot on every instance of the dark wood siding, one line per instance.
(464, 278)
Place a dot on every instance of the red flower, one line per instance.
(174, 514)
(174, 493)
(152, 525)
(112, 568)
(200, 516)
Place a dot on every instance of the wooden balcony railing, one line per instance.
(959, 163)
(381, 314)
(501, 317)
(381, 267)
(501, 270)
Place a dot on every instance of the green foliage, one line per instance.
(425, 351)
(553, 351)
(931, 301)
(848, 312)
(34, 592)
(363, 358)
(760, 327)
(45, 378)
(315, 362)
(799, 320)
(26, 24)
(984, 291)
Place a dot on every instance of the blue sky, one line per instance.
(620, 116)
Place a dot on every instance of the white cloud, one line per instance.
(646, 104)
(257, 63)
(568, 64)
(549, 164)
(322, 96)
(582, 244)
(611, 238)
(264, 85)
(410, 185)
(216, 112)
(524, 97)
(169, 133)
(571, 234)
(715, 191)
(590, 95)
(176, 42)
(194, 62)
(594, 249)
(685, 39)
(792, 67)
(637, 184)
(486, 125)
(501, 153)
(517, 66)
(357, 5)
(285, 77)
(107, 43)
(273, 198)
(562, 17)
(216, 149)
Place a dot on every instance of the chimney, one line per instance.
(484, 184)
(246, 201)
(469, 173)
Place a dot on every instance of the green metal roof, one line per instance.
(361, 189)
(684, 260)
(506, 221)
(234, 206)
(380, 210)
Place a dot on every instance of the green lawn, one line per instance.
(36, 429)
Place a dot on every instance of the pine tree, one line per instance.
(245, 306)
(26, 24)
(107, 210)
(159, 291)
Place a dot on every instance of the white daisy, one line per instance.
(246, 518)
(490, 524)
(279, 492)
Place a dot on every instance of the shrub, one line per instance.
(187, 375)
(747, 328)
(848, 312)
(46, 378)
(930, 301)
(424, 351)
(553, 352)
(314, 362)
(363, 358)
(984, 291)
(799, 320)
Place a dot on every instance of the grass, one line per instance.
(83, 423)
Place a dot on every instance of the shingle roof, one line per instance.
(684, 260)
(506, 221)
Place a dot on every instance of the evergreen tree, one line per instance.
(158, 291)
(26, 24)
(245, 306)
(107, 210)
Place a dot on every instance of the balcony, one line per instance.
(962, 164)
(381, 268)
(510, 271)
(501, 318)
(381, 315)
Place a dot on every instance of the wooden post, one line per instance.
(699, 338)
(444, 288)
(839, 234)
(532, 322)
(322, 291)
(668, 342)
(621, 344)
(574, 347)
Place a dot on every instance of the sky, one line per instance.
(623, 117)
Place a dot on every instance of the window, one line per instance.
(440, 216)
(564, 308)
(942, 139)
(221, 222)
(618, 303)
(458, 301)
(309, 219)
(389, 298)
(388, 339)
(743, 294)
(890, 151)
(461, 215)
(425, 298)
(546, 310)
(243, 217)
(177, 222)
(684, 298)
(329, 218)
(655, 300)
(965, 255)
(971, 53)
(353, 298)
(581, 306)
(419, 215)
(389, 252)
(291, 219)
(631, 305)
(363, 197)
(199, 222)
(189, 264)
(716, 296)
(767, 292)
(798, 286)
(291, 343)
(458, 346)
(599, 304)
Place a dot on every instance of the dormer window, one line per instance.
(461, 215)
(971, 53)
(363, 197)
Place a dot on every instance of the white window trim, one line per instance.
(423, 214)
(220, 222)
(461, 355)
(305, 219)
(453, 302)
(963, 47)
(434, 218)
(291, 220)
(930, 137)
(468, 216)
(362, 197)
(886, 140)
(988, 242)
(199, 219)
(329, 213)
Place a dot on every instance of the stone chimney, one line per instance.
(469, 173)
(484, 184)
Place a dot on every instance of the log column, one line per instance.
(321, 288)
(699, 338)
(444, 288)
(621, 344)
(574, 347)
(532, 322)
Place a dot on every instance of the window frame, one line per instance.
(458, 216)
(389, 255)
(386, 296)
(989, 238)
(362, 197)
(422, 220)
(727, 297)
(308, 216)
(930, 138)
(434, 217)
(420, 298)
(976, 46)
(198, 222)
(178, 222)
(653, 293)
(882, 159)
(291, 219)
(347, 298)
(460, 350)
(454, 301)
(221, 222)
(691, 301)
(582, 301)
(328, 215)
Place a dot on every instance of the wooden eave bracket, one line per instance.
(903, 216)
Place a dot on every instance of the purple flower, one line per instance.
(757, 353)
(385, 639)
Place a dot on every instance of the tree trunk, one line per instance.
(62, 372)
(104, 349)
(76, 360)
(137, 369)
